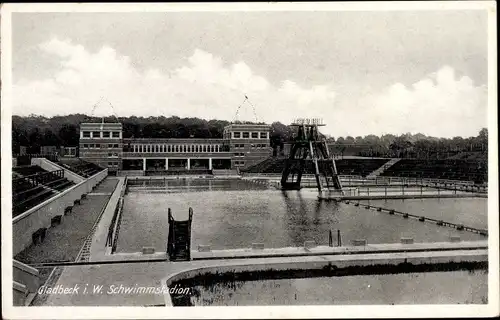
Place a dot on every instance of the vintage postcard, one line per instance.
(249, 160)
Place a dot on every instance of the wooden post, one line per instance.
(330, 238)
(339, 239)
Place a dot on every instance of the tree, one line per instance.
(349, 140)
(68, 135)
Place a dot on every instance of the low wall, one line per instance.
(25, 224)
(124, 173)
(51, 166)
(19, 294)
(26, 275)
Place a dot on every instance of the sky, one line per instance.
(362, 72)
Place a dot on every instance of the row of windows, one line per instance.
(100, 146)
(105, 134)
(258, 146)
(113, 164)
(175, 148)
(113, 154)
(239, 163)
(247, 135)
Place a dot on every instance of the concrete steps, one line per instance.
(381, 170)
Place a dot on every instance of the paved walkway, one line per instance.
(98, 248)
(63, 242)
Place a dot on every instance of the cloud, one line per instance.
(439, 105)
(204, 86)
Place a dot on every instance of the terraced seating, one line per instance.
(32, 185)
(25, 195)
(454, 169)
(28, 170)
(80, 167)
(361, 167)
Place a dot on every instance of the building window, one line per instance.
(237, 135)
(85, 146)
(97, 146)
(116, 134)
(86, 134)
(246, 135)
(96, 134)
(105, 134)
(116, 146)
(255, 135)
(263, 135)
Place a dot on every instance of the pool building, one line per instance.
(242, 145)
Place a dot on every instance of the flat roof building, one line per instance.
(242, 145)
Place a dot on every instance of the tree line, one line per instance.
(36, 131)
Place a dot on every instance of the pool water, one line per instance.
(237, 213)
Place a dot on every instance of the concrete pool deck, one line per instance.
(98, 247)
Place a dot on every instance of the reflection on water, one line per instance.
(457, 287)
(237, 213)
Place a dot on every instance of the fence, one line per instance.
(40, 178)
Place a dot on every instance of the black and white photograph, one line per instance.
(249, 160)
